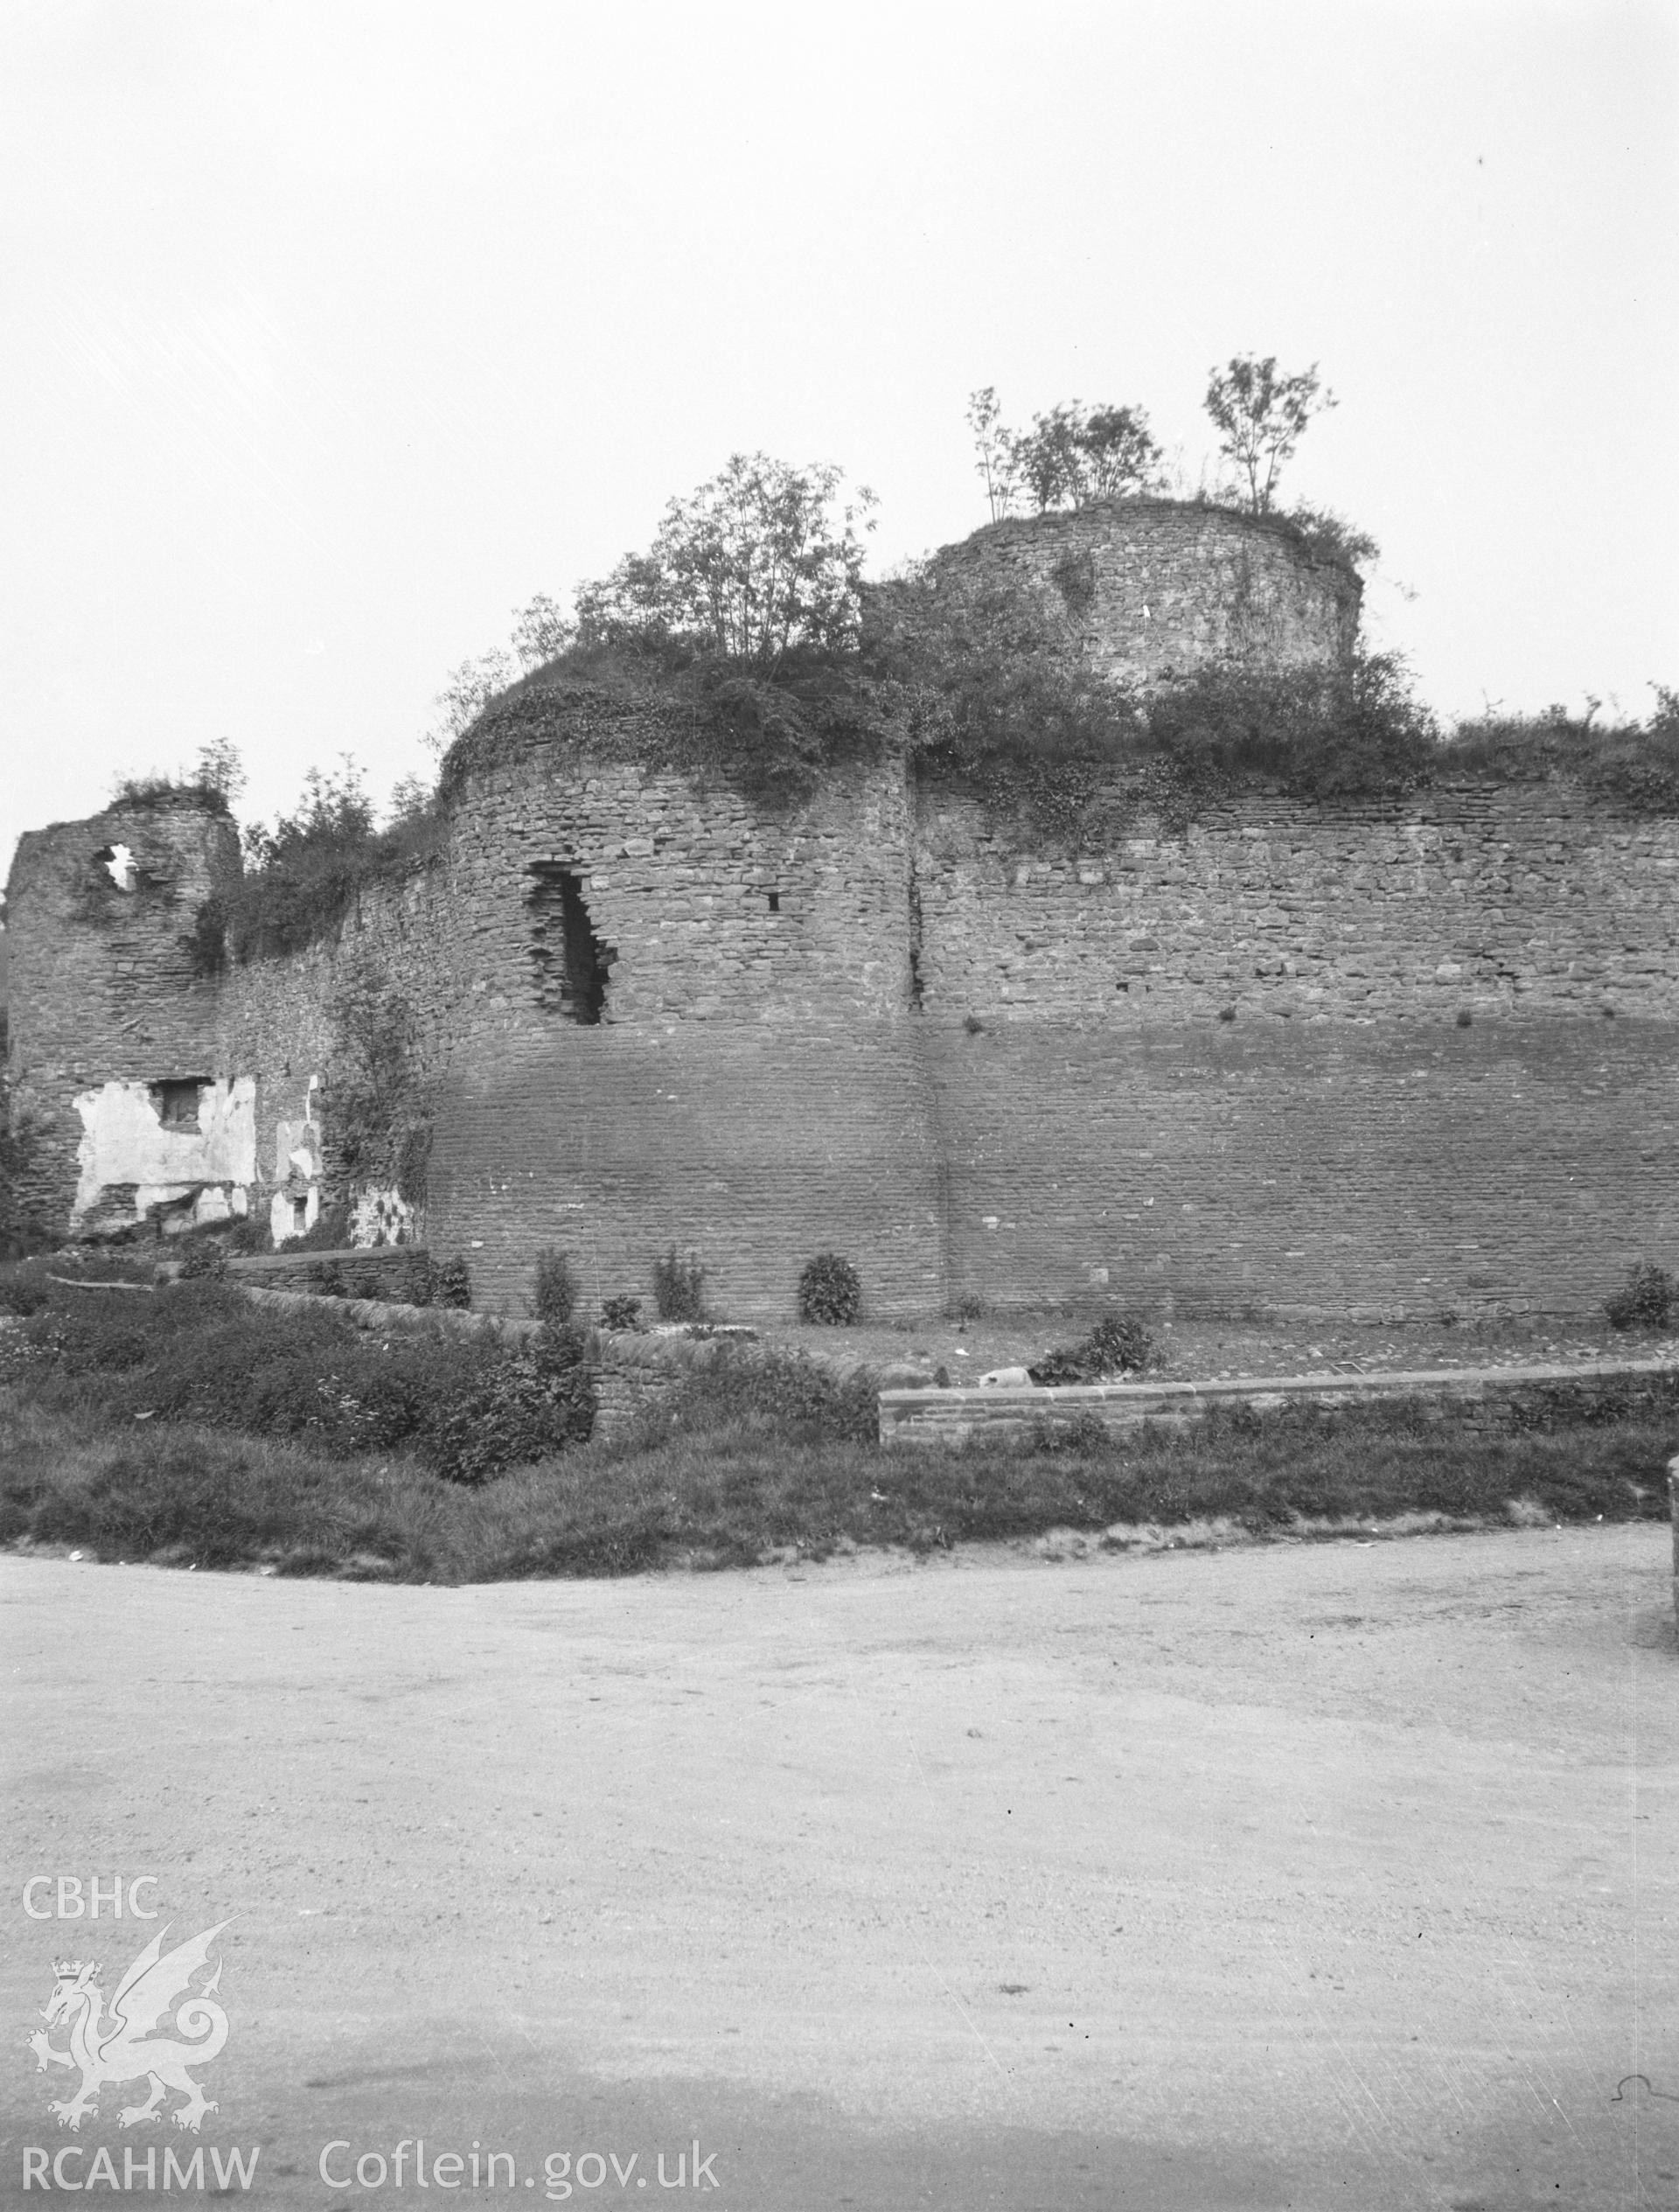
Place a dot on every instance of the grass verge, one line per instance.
(772, 1459)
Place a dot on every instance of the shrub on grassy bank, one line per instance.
(784, 1464)
(1117, 1345)
(199, 1351)
(1648, 1298)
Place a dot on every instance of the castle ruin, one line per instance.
(1369, 1058)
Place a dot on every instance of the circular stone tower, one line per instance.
(1154, 588)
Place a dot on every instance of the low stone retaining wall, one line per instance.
(634, 1372)
(366, 1269)
(384, 1313)
(950, 1417)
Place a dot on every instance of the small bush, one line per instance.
(23, 1289)
(530, 1404)
(203, 1256)
(419, 1280)
(968, 1308)
(1116, 1345)
(1647, 1300)
(621, 1313)
(326, 1280)
(452, 1283)
(829, 1290)
(251, 1236)
(555, 1297)
(678, 1286)
(330, 1233)
(750, 1391)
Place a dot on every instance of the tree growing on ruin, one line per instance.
(1070, 457)
(1261, 415)
(996, 449)
(541, 632)
(763, 559)
(468, 689)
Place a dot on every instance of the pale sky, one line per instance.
(334, 331)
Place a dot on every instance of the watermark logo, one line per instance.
(119, 2046)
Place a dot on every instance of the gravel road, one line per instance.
(1306, 1876)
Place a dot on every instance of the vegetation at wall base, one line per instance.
(680, 1285)
(829, 1290)
(1649, 1298)
(554, 1298)
(329, 1231)
(198, 1351)
(760, 1456)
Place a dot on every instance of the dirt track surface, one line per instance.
(1334, 1876)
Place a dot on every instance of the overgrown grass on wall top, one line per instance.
(1634, 765)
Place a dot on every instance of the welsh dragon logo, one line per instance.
(120, 2047)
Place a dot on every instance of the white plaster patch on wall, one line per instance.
(295, 1204)
(200, 1173)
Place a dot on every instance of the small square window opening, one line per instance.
(177, 1102)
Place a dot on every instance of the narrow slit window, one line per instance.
(571, 962)
(775, 902)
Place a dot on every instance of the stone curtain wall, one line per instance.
(1511, 902)
(1154, 588)
(753, 1144)
(1051, 1106)
(1318, 1170)
(105, 983)
(750, 1090)
(1341, 1141)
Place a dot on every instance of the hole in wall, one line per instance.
(775, 902)
(119, 864)
(177, 1102)
(1074, 577)
(572, 963)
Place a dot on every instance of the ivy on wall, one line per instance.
(378, 1122)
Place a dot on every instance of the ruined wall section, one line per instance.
(706, 905)
(1514, 900)
(1374, 1061)
(113, 954)
(748, 1089)
(360, 1024)
(1153, 588)
(736, 1079)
